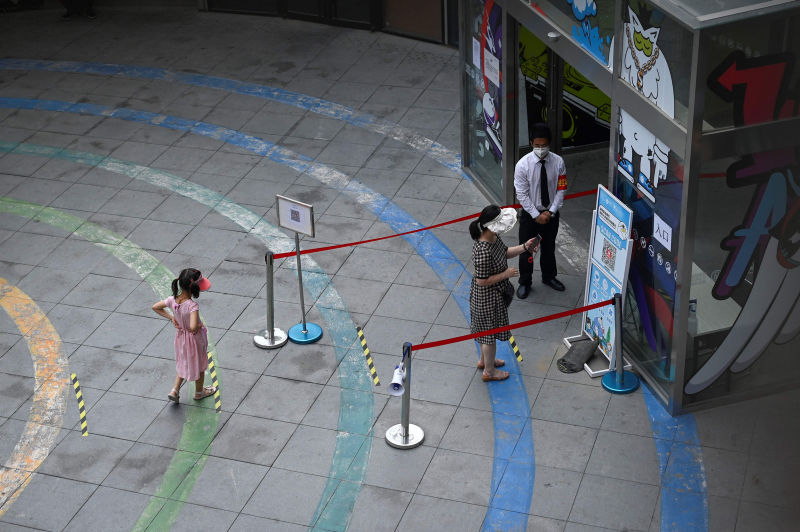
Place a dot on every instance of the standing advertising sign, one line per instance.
(299, 217)
(606, 272)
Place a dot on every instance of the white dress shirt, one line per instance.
(528, 184)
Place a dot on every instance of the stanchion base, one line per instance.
(630, 382)
(312, 334)
(394, 437)
(279, 338)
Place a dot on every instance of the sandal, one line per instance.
(498, 363)
(207, 391)
(500, 376)
(174, 396)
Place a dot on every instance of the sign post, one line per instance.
(606, 274)
(299, 217)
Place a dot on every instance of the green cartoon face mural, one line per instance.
(643, 44)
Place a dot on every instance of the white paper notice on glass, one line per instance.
(491, 67)
(476, 53)
(295, 215)
(662, 232)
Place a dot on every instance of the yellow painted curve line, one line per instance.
(47, 412)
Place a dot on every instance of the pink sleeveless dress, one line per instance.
(191, 349)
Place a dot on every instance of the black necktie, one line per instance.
(545, 192)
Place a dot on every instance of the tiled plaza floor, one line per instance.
(112, 179)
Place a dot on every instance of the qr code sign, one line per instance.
(609, 255)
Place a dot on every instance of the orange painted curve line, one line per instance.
(49, 403)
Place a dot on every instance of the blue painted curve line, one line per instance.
(356, 404)
(514, 466)
(432, 149)
(684, 499)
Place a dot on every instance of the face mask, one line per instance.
(541, 153)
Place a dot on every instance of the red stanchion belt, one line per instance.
(504, 328)
(462, 219)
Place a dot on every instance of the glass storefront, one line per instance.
(648, 324)
(747, 53)
(745, 285)
(589, 23)
(483, 96)
(746, 281)
(586, 110)
(656, 58)
(702, 123)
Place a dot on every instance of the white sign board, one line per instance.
(611, 235)
(607, 271)
(295, 215)
(491, 67)
(599, 323)
(476, 53)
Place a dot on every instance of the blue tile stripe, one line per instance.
(330, 109)
(684, 499)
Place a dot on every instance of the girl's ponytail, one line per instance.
(194, 287)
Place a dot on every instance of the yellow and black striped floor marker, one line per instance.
(81, 404)
(370, 364)
(213, 371)
(515, 348)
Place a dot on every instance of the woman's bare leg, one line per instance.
(488, 352)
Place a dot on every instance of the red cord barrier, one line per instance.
(462, 219)
(504, 328)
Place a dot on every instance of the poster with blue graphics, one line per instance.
(611, 235)
(599, 323)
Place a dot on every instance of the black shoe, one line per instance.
(91, 15)
(523, 291)
(555, 284)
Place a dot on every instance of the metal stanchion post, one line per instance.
(300, 280)
(310, 332)
(270, 338)
(405, 435)
(620, 381)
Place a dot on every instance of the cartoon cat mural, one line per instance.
(646, 69)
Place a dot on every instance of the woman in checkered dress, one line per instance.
(492, 273)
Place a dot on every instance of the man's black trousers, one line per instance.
(528, 229)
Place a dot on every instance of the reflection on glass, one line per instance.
(589, 22)
(746, 278)
(306, 7)
(586, 109)
(756, 57)
(484, 96)
(650, 299)
(656, 58)
(354, 10)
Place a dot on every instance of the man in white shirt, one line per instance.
(540, 179)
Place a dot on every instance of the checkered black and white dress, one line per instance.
(486, 305)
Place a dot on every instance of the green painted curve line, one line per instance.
(356, 412)
(201, 423)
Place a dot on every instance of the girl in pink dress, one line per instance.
(191, 336)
